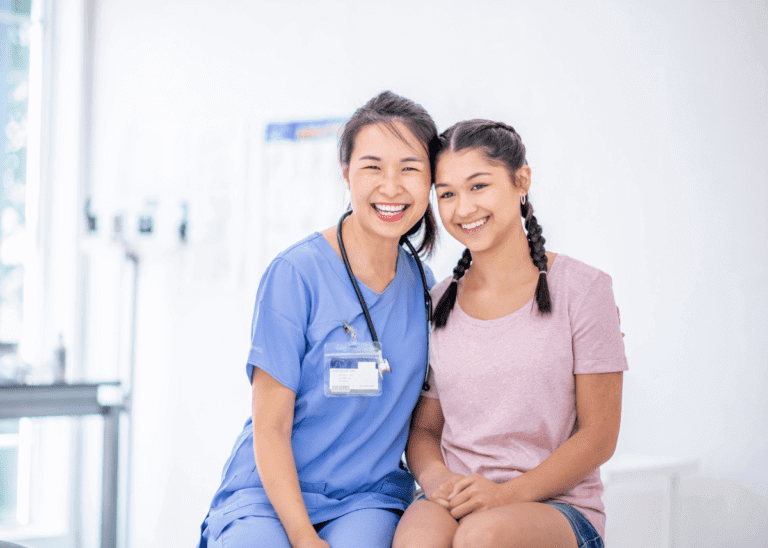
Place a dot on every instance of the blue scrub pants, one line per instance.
(367, 528)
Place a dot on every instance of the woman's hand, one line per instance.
(475, 493)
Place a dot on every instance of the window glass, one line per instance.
(14, 72)
(9, 463)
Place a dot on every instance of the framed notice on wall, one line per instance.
(302, 182)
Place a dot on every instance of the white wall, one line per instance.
(647, 130)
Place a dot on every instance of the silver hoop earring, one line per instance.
(522, 199)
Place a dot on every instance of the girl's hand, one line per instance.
(475, 493)
(443, 488)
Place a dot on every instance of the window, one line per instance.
(9, 464)
(18, 32)
(14, 71)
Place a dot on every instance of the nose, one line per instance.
(465, 207)
(391, 184)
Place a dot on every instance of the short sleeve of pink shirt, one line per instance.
(507, 386)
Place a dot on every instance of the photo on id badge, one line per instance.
(353, 369)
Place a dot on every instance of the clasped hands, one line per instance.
(463, 495)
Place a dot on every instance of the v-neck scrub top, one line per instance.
(347, 449)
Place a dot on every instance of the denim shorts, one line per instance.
(586, 535)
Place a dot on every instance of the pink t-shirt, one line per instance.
(507, 387)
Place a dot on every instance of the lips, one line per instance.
(475, 226)
(390, 212)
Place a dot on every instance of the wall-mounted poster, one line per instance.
(302, 184)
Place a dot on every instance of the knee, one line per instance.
(476, 532)
(405, 539)
(410, 535)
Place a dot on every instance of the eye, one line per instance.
(479, 186)
(446, 194)
(409, 168)
(371, 167)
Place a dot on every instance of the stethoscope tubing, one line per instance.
(427, 297)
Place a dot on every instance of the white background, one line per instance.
(646, 125)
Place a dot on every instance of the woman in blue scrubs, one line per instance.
(315, 466)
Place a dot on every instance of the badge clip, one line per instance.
(384, 367)
(351, 330)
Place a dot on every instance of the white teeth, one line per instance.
(390, 208)
(470, 226)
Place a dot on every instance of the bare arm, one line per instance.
(598, 412)
(273, 406)
(423, 451)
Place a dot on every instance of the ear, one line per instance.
(345, 174)
(523, 180)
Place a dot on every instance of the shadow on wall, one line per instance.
(714, 513)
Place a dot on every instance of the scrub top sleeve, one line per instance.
(280, 318)
(597, 343)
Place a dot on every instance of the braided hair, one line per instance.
(502, 143)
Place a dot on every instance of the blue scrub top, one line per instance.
(347, 449)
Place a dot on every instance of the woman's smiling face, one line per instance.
(479, 203)
(389, 179)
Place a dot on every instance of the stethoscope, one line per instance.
(427, 298)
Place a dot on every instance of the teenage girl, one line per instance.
(318, 462)
(524, 399)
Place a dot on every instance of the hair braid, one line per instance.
(448, 299)
(501, 143)
(538, 254)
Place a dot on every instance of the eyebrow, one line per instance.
(377, 159)
(478, 174)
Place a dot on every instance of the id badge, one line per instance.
(353, 369)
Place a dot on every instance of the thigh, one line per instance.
(425, 524)
(370, 528)
(586, 534)
(524, 525)
(253, 532)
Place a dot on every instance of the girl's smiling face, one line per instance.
(389, 179)
(478, 201)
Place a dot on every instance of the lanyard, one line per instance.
(427, 297)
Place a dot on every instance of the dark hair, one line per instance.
(500, 143)
(387, 108)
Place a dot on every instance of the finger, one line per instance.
(462, 510)
(460, 498)
(460, 485)
(442, 492)
(442, 502)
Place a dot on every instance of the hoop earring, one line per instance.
(522, 199)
